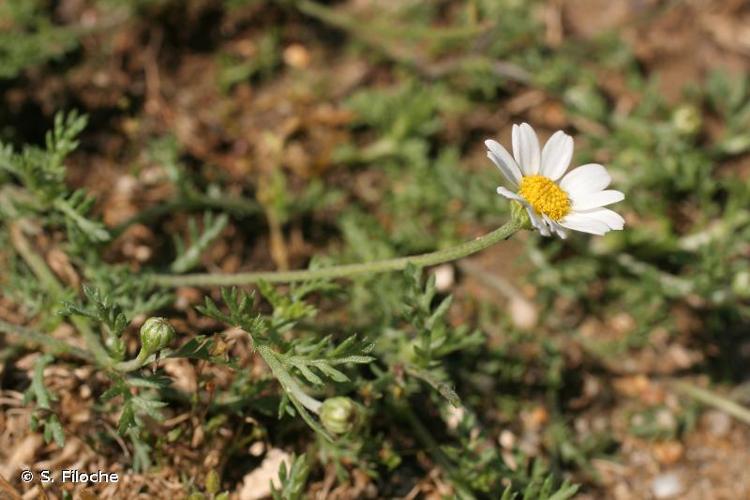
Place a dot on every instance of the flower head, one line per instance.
(156, 334)
(555, 202)
(339, 415)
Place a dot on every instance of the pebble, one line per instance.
(523, 313)
(717, 422)
(507, 440)
(445, 277)
(668, 452)
(666, 485)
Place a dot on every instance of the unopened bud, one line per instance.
(687, 119)
(339, 415)
(156, 334)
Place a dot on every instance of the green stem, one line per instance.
(709, 398)
(55, 345)
(61, 347)
(342, 271)
(132, 364)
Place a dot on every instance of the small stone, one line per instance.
(666, 485)
(507, 439)
(257, 484)
(665, 419)
(523, 313)
(536, 418)
(445, 276)
(297, 56)
(623, 322)
(668, 452)
(717, 422)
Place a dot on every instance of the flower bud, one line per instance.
(156, 334)
(339, 415)
(687, 119)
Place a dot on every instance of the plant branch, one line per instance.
(712, 399)
(341, 271)
(55, 345)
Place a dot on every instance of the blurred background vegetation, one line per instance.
(263, 134)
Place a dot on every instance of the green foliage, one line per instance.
(323, 356)
(41, 171)
(293, 362)
(29, 37)
(542, 488)
(240, 313)
(100, 307)
(292, 480)
(138, 400)
(435, 338)
(188, 258)
(236, 69)
(43, 415)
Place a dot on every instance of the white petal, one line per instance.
(559, 230)
(585, 179)
(526, 148)
(504, 161)
(556, 155)
(535, 219)
(555, 227)
(537, 222)
(509, 194)
(611, 219)
(596, 200)
(582, 222)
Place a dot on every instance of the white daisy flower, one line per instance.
(555, 202)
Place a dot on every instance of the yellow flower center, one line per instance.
(545, 196)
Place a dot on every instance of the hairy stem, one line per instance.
(132, 364)
(54, 345)
(342, 271)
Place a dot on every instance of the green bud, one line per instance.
(339, 415)
(519, 214)
(687, 119)
(156, 334)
